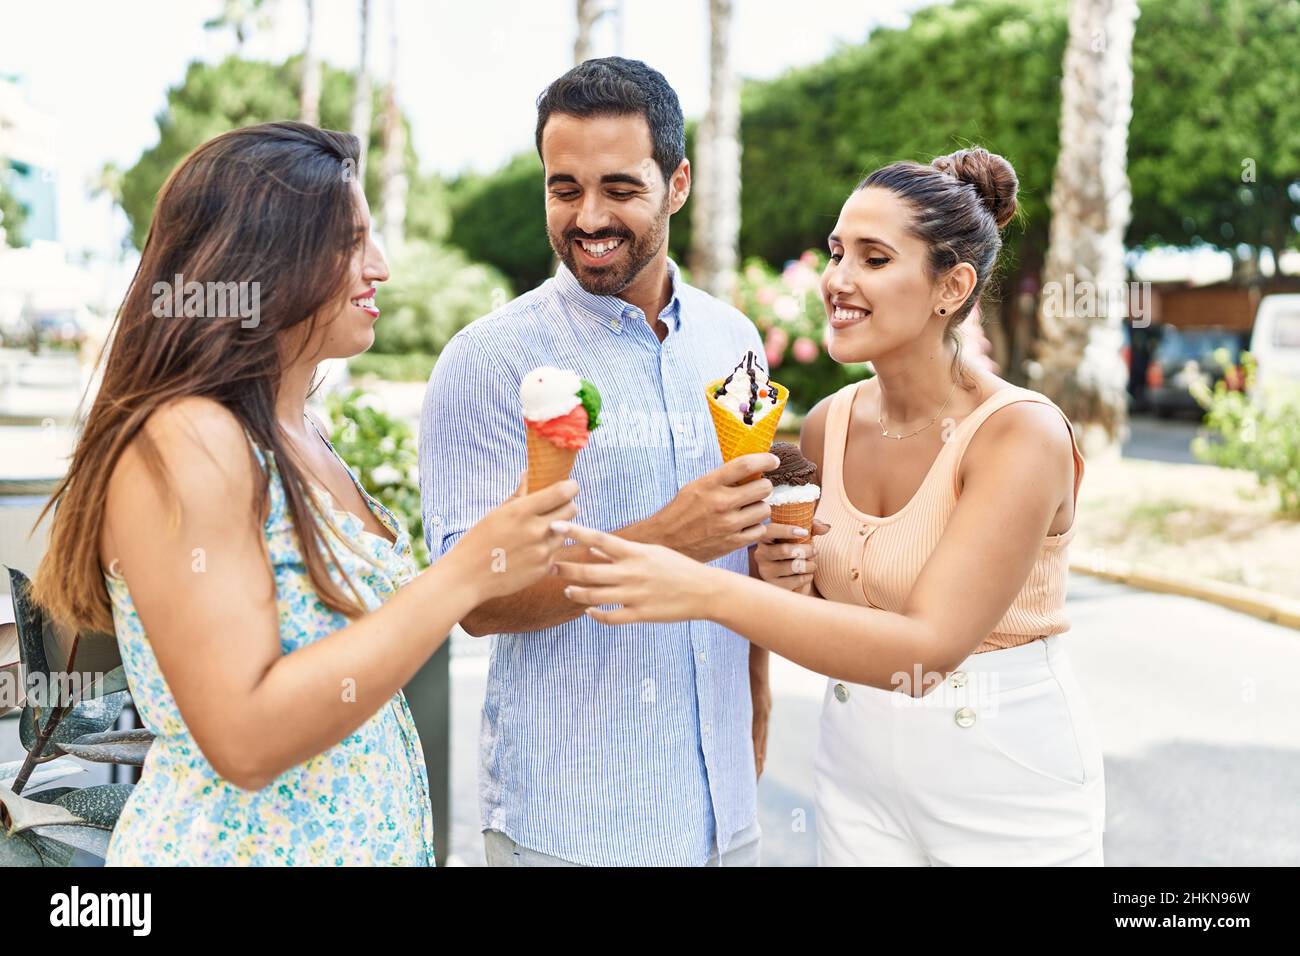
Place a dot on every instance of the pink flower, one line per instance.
(799, 276)
(786, 308)
(766, 295)
(774, 345)
(805, 350)
(809, 258)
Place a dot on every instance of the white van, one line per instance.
(1275, 340)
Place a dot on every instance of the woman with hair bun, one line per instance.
(953, 729)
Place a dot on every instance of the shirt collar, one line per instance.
(613, 312)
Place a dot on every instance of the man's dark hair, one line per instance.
(613, 86)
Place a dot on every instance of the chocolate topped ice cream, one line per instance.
(795, 469)
(794, 494)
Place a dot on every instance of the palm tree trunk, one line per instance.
(393, 185)
(589, 11)
(361, 99)
(1078, 351)
(715, 231)
(309, 102)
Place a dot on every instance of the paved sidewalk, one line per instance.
(1196, 707)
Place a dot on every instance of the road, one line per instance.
(1195, 705)
(1161, 439)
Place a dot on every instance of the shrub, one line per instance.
(1254, 431)
(435, 292)
(381, 450)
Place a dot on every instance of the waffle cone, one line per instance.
(735, 438)
(547, 463)
(798, 514)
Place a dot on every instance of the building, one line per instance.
(27, 150)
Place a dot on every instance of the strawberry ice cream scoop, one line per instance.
(560, 406)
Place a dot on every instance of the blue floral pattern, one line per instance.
(364, 801)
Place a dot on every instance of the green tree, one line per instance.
(244, 17)
(12, 214)
(1214, 146)
(214, 98)
(1213, 157)
(501, 219)
(434, 293)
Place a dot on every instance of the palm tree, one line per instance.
(1078, 352)
(589, 11)
(309, 101)
(361, 106)
(393, 185)
(242, 16)
(715, 232)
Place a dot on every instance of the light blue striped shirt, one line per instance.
(600, 745)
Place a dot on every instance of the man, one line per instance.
(603, 746)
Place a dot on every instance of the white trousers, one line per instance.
(999, 765)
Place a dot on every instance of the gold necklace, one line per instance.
(884, 432)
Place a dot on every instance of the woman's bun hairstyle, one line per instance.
(990, 174)
(957, 206)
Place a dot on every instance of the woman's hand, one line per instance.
(651, 582)
(513, 545)
(783, 559)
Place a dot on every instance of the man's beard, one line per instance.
(613, 278)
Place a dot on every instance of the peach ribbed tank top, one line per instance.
(874, 561)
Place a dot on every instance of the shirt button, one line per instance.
(703, 658)
(854, 575)
(841, 693)
(863, 530)
(617, 323)
(708, 728)
(965, 717)
(957, 679)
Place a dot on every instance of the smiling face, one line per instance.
(348, 328)
(878, 294)
(607, 205)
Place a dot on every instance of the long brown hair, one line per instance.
(271, 205)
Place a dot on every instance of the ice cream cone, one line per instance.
(797, 514)
(547, 463)
(735, 438)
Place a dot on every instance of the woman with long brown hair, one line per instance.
(267, 608)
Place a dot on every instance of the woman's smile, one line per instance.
(844, 316)
(366, 303)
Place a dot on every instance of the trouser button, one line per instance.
(841, 693)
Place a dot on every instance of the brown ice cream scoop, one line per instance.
(794, 469)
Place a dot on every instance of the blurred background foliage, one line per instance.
(1210, 79)
(1216, 101)
(381, 449)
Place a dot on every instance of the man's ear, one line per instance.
(679, 186)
